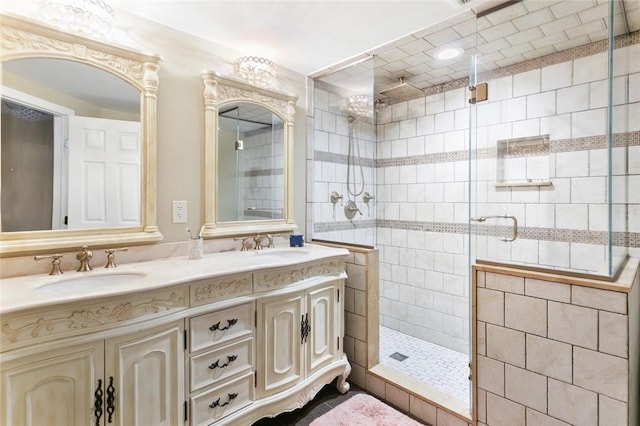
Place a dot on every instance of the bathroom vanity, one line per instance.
(226, 339)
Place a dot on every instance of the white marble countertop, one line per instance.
(33, 291)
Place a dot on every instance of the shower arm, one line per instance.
(514, 235)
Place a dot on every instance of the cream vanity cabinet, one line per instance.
(298, 332)
(133, 379)
(224, 349)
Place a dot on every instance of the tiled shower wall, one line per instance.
(422, 178)
(263, 174)
(328, 161)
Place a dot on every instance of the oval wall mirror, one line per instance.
(78, 141)
(248, 148)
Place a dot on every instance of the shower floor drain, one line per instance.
(398, 356)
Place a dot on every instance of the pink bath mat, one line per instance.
(364, 410)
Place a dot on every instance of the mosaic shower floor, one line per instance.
(439, 367)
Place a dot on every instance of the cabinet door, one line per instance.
(148, 376)
(54, 389)
(279, 343)
(322, 308)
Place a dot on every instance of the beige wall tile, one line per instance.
(355, 326)
(356, 276)
(490, 306)
(613, 334)
(422, 410)
(481, 338)
(525, 387)
(538, 419)
(612, 412)
(600, 299)
(360, 302)
(502, 412)
(349, 302)
(360, 352)
(448, 419)
(358, 375)
(572, 404)
(547, 290)
(481, 279)
(375, 386)
(602, 373)
(506, 283)
(525, 313)
(482, 405)
(506, 345)
(359, 258)
(573, 324)
(549, 357)
(397, 397)
(491, 375)
(349, 348)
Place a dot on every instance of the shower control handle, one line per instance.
(350, 209)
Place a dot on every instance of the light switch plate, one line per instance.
(179, 209)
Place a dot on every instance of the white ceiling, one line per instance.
(302, 35)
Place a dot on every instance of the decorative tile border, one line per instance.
(620, 140)
(263, 172)
(619, 239)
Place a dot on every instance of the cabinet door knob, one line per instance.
(216, 403)
(230, 359)
(230, 323)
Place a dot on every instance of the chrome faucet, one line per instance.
(55, 264)
(84, 257)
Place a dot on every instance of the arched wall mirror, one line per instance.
(248, 149)
(78, 141)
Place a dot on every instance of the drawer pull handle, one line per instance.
(216, 403)
(230, 359)
(230, 323)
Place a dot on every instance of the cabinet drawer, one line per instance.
(219, 402)
(221, 326)
(214, 366)
(206, 291)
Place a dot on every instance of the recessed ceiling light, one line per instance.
(448, 53)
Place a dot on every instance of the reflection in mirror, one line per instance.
(250, 155)
(94, 104)
(70, 147)
(248, 151)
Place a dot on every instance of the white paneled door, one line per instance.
(104, 173)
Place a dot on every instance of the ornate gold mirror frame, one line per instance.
(218, 92)
(22, 38)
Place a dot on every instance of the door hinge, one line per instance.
(255, 318)
(185, 339)
(479, 93)
(338, 342)
(186, 411)
(255, 379)
(338, 295)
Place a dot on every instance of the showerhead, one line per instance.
(402, 91)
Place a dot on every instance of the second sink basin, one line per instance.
(88, 282)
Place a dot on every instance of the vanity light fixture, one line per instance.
(93, 18)
(447, 52)
(255, 70)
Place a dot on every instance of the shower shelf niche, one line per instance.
(523, 162)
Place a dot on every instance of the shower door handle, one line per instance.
(514, 233)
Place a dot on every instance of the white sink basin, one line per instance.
(89, 282)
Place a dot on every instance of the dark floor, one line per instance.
(325, 400)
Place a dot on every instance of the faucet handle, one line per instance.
(270, 238)
(111, 263)
(55, 264)
(246, 244)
